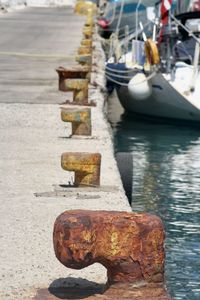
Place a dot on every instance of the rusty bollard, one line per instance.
(87, 32)
(87, 8)
(84, 60)
(129, 245)
(80, 119)
(86, 42)
(85, 50)
(85, 165)
(79, 87)
(70, 73)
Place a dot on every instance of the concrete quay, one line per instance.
(33, 137)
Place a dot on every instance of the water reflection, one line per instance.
(166, 181)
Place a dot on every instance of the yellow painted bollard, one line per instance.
(84, 50)
(89, 21)
(86, 42)
(79, 87)
(85, 8)
(80, 119)
(88, 32)
(85, 165)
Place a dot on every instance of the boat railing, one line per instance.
(190, 33)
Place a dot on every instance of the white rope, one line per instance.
(120, 15)
(119, 71)
(119, 76)
(113, 15)
(115, 81)
(126, 84)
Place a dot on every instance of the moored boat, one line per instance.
(167, 84)
(121, 13)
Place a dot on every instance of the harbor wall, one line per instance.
(36, 190)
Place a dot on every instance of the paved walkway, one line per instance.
(32, 139)
(42, 34)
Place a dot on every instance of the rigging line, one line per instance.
(185, 28)
(136, 19)
(113, 15)
(120, 15)
(137, 32)
(117, 82)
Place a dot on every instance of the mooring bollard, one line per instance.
(129, 245)
(84, 50)
(85, 8)
(86, 42)
(87, 32)
(79, 87)
(89, 21)
(85, 60)
(70, 73)
(85, 165)
(80, 119)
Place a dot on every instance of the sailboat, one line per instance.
(163, 78)
(121, 13)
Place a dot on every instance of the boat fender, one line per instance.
(139, 87)
(152, 54)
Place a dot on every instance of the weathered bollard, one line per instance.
(85, 8)
(79, 87)
(89, 20)
(87, 31)
(85, 165)
(84, 60)
(84, 50)
(129, 245)
(70, 73)
(80, 119)
(86, 42)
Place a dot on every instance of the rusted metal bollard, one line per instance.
(84, 50)
(79, 87)
(84, 60)
(89, 20)
(86, 42)
(87, 31)
(70, 73)
(85, 8)
(80, 119)
(85, 165)
(129, 245)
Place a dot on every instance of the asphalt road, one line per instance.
(42, 34)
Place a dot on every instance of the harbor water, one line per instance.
(166, 182)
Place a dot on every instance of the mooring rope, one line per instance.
(126, 84)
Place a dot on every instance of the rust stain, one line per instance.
(86, 42)
(85, 165)
(116, 244)
(84, 50)
(80, 119)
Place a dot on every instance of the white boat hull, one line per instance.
(165, 102)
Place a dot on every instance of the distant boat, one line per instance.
(120, 13)
(164, 79)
